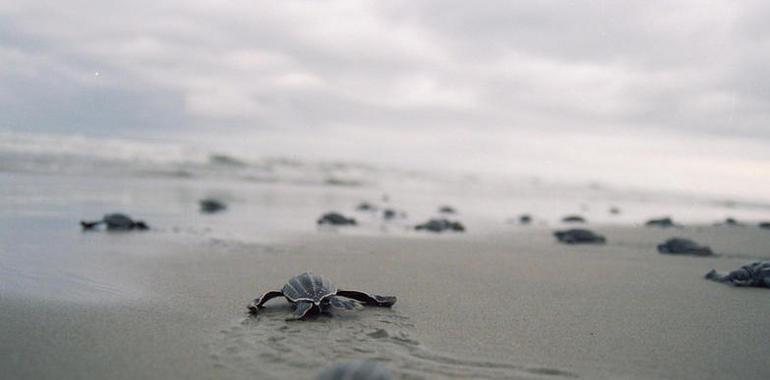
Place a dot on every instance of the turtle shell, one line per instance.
(118, 221)
(308, 287)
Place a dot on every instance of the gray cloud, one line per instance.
(182, 66)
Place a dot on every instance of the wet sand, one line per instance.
(512, 304)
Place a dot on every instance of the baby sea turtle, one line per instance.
(684, 247)
(614, 210)
(440, 225)
(579, 236)
(391, 213)
(661, 222)
(336, 219)
(754, 274)
(116, 222)
(211, 205)
(573, 219)
(311, 293)
(765, 225)
(366, 206)
(732, 222)
(447, 210)
(356, 370)
(525, 219)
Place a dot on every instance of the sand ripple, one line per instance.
(267, 346)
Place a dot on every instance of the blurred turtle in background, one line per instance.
(116, 222)
(661, 222)
(211, 205)
(579, 236)
(440, 225)
(447, 210)
(336, 219)
(683, 246)
(366, 206)
(730, 222)
(573, 219)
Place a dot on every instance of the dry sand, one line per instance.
(503, 305)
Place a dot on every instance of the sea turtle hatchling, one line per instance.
(579, 236)
(336, 219)
(730, 222)
(211, 205)
(366, 206)
(116, 222)
(664, 222)
(573, 219)
(310, 293)
(440, 225)
(684, 247)
(754, 274)
(447, 210)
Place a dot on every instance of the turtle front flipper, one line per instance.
(90, 225)
(339, 303)
(368, 299)
(303, 310)
(718, 276)
(259, 301)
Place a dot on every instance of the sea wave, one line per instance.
(50, 154)
(81, 155)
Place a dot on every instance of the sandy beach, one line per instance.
(513, 304)
(551, 190)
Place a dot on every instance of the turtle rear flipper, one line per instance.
(303, 310)
(368, 299)
(339, 303)
(261, 300)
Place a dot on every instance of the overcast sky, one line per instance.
(407, 74)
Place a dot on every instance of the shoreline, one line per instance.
(519, 304)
